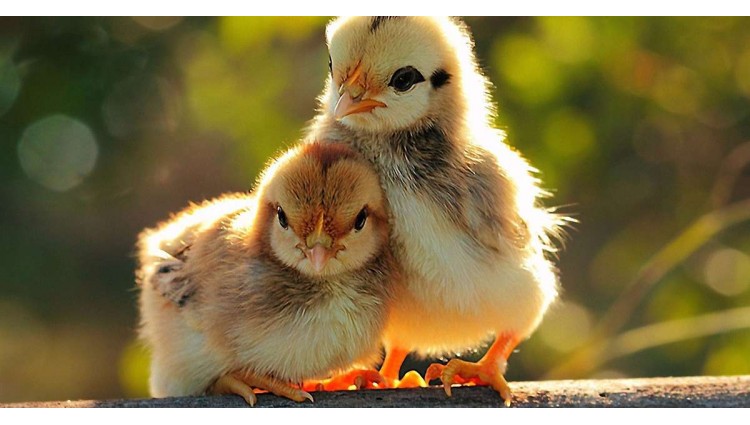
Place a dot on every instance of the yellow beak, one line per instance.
(350, 97)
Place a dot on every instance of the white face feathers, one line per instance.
(390, 74)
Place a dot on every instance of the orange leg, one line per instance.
(487, 371)
(394, 358)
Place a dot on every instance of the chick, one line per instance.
(467, 225)
(268, 290)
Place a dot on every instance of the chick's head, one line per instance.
(326, 213)
(401, 73)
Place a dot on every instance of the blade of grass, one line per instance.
(675, 252)
(658, 334)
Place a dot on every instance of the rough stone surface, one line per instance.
(730, 391)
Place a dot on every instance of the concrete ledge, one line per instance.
(732, 391)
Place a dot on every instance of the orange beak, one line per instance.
(319, 246)
(350, 97)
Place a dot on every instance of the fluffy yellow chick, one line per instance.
(467, 225)
(268, 290)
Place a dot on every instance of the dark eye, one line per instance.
(359, 222)
(330, 64)
(405, 78)
(282, 218)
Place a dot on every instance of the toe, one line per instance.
(435, 371)
(230, 384)
(411, 379)
(354, 379)
(501, 386)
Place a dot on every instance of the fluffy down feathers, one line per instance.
(467, 224)
(225, 287)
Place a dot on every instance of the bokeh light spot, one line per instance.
(679, 90)
(522, 62)
(569, 38)
(633, 70)
(690, 302)
(10, 83)
(238, 33)
(58, 152)
(134, 370)
(569, 134)
(566, 326)
(727, 271)
(729, 360)
(241, 33)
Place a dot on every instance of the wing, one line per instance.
(166, 275)
(491, 209)
(163, 255)
(164, 252)
(506, 200)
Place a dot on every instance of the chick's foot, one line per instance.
(487, 371)
(353, 380)
(229, 384)
(462, 372)
(243, 385)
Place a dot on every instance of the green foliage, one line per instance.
(630, 121)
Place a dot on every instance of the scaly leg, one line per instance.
(394, 358)
(489, 370)
(243, 383)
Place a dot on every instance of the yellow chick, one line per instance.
(467, 225)
(268, 290)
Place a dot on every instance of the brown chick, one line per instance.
(468, 227)
(268, 290)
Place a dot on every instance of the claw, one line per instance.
(359, 382)
(505, 393)
(369, 377)
(435, 371)
(307, 396)
(230, 384)
(447, 383)
(488, 371)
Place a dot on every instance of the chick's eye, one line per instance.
(282, 218)
(359, 222)
(405, 78)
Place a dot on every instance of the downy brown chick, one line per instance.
(467, 224)
(270, 289)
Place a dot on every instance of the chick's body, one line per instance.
(288, 284)
(466, 224)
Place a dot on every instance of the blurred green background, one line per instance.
(640, 125)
